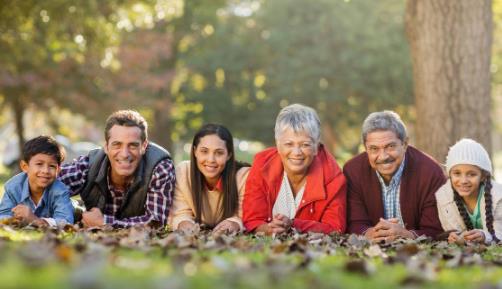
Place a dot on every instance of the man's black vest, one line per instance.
(96, 193)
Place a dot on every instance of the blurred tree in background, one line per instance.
(152, 67)
(451, 45)
(51, 52)
(182, 63)
(344, 58)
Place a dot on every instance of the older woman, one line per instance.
(296, 184)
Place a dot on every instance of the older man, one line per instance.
(391, 186)
(128, 182)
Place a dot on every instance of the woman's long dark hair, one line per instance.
(230, 201)
(488, 207)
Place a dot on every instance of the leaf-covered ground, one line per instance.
(142, 257)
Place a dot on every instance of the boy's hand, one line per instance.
(23, 213)
(41, 223)
(93, 218)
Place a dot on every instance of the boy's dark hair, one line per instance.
(129, 118)
(43, 145)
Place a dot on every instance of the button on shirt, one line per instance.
(285, 203)
(54, 207)
(390, 195)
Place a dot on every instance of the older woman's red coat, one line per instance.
(323, 207)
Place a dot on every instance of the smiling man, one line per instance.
(391, 185)
(129, 181)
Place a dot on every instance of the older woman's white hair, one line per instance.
(299, 118)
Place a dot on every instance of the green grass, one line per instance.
(35, 260)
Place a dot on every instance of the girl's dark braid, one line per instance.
(489, 208)
(463, 211)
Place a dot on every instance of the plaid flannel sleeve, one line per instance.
(158, 200)
(74, 174)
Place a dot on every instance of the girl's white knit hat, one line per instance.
(469, 152)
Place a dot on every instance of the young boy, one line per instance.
(35, 196)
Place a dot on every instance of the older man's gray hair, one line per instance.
(300, 118)
(382, 121)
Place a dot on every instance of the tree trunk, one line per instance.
(161, 129)
(328, 136)
(450, 46)
(18, 107)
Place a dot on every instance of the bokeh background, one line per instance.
(65, 65)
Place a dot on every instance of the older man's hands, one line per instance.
(388, 230)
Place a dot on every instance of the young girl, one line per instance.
(470, 203)
(209, 187)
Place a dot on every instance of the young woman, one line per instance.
(470, 203)
(209, 187)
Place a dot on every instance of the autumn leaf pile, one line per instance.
(156, 258)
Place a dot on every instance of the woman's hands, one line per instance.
(187, 226)
(226, 227)
(279, 224)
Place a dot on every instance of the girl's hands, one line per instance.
(474, 236)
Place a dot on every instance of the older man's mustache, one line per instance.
(385, 161)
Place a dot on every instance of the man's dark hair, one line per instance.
(43, 145)
(126, 118)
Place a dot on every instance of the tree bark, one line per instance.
(18, 107)
(450, 45)
(162, 126)
(329, 137)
